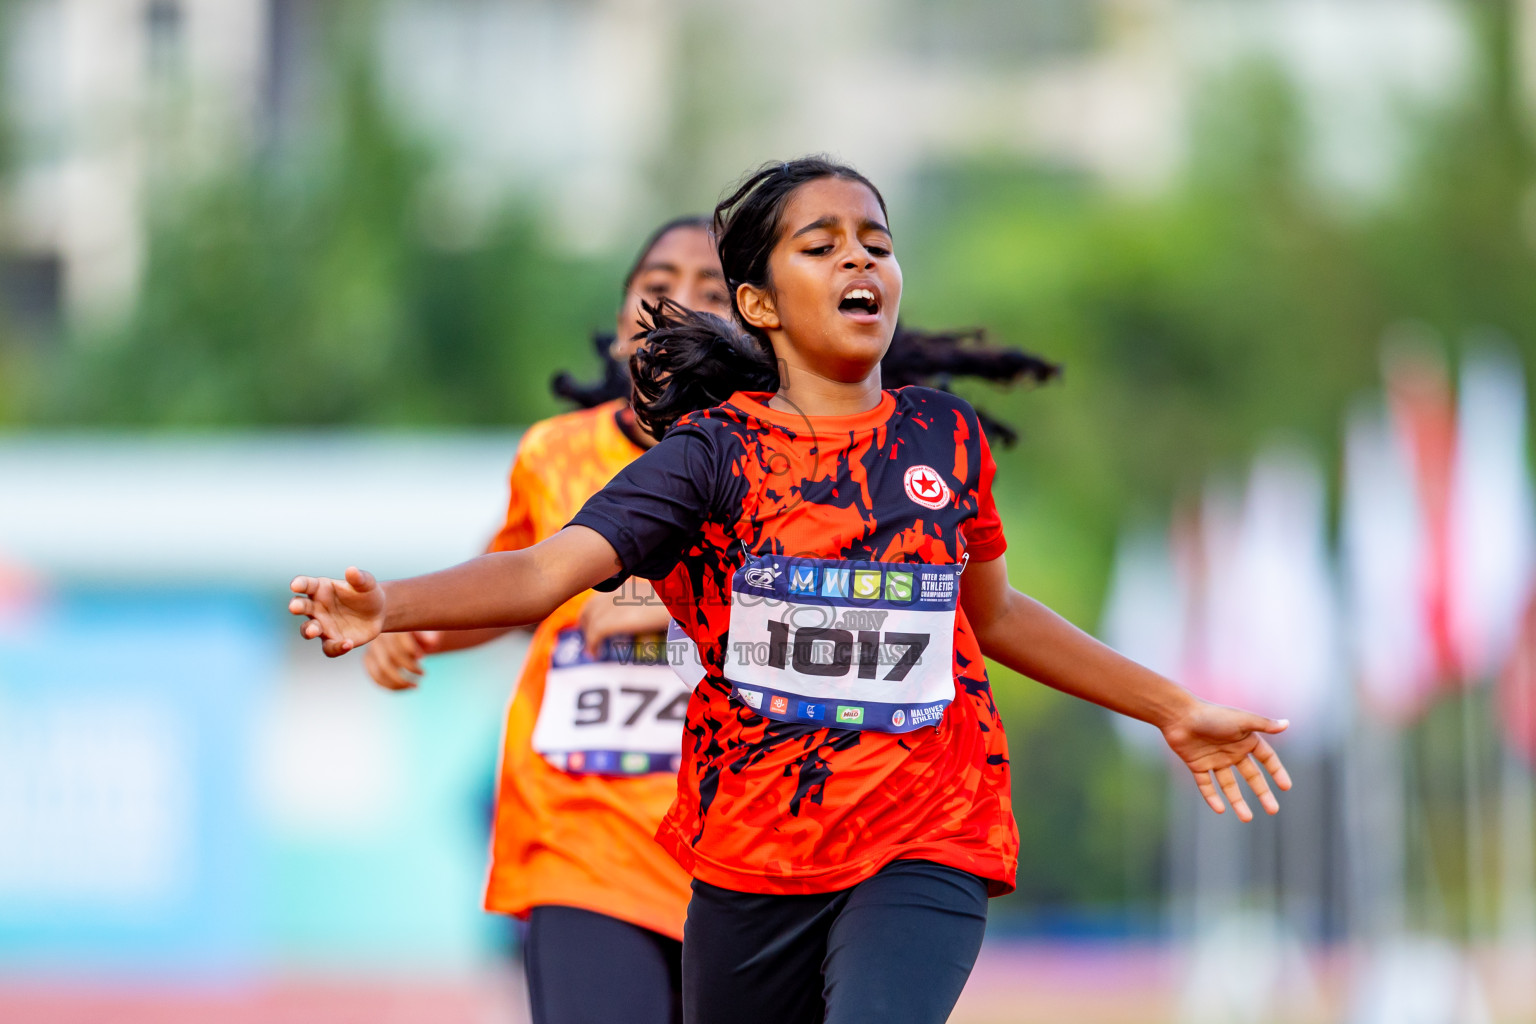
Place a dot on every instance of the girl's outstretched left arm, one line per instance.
(1211, 739)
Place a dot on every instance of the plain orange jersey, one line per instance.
(583, 841)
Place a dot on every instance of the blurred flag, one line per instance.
(1424, 418)
(21, 596)
(1145, 617)
(1269, 618)
(1218, 663)
(1291, 630)
(1517, 689)
(1491, 513)
(1385, 550)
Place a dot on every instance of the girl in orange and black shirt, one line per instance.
(833, 550)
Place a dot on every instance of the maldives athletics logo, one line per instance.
(926, 487)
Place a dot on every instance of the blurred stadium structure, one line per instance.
(521, 96)
(191, 803)
(1285, 248)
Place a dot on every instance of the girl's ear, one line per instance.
(756, 305)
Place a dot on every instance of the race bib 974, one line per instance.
(620, 713)
(853, 645)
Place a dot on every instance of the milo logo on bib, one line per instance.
(851, 645)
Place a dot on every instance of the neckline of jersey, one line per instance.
(755, 403)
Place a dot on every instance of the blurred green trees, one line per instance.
(330, 285)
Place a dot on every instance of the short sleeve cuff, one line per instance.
(621, 537)
(987, 548)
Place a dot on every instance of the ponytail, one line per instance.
(614, 382)
(935, 358)
(693, 361)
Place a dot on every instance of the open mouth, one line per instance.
(860, 302)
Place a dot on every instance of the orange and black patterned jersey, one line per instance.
(894, 499)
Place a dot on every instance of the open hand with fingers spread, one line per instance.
(1213, 740)
(342, 614)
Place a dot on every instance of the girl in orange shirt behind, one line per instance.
(593, 734)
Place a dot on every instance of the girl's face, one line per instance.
(682, 266)
(834, 286)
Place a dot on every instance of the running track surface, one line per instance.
(1014, 983)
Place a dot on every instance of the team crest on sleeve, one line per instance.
(926, 487)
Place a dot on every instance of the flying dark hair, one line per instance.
(614, 383)
(935, 359)
(692, 361)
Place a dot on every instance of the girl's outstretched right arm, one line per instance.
(1216, 743)
(505, 588)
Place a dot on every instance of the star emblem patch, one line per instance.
(926, 487)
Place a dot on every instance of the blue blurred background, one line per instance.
(259, 252)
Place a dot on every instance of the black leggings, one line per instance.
(587, 968)
(894, 949)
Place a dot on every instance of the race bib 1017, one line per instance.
(852, 645)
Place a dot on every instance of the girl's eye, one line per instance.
(818, 250)
(657, 289)
(878, 250)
